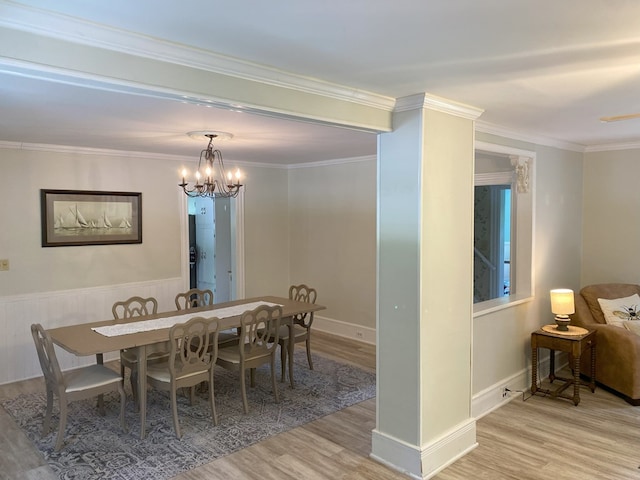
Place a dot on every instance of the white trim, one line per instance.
(240, 258)
(429, 460)
(519, 297)
(607, 147)
(495, 178)
(338, 161)
(433, 102)
(501, 131)
(63, 27)
(344, 329)
(69, 149)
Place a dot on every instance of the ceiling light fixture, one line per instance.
(211, 178)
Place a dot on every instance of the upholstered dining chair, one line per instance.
(194, 350)
(137, 307)
(194, 298)
(301, 325)
(257, 349)
(79, 384)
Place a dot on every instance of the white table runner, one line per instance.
(167, 322)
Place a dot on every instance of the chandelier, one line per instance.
(211, 178)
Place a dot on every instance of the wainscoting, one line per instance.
(56, 309)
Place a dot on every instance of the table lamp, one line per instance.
(562, 306)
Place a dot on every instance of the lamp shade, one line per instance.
(562, 301)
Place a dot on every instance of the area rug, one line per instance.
(96, 448)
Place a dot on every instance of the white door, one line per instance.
(214, 252)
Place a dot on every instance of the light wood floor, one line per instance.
(532, 439)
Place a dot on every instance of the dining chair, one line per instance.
(258, 347)
(201, 298)
(194, 350)
(194, 298)
(79, 384)
(137, 307)
(300, 326)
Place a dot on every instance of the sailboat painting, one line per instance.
(79, 217)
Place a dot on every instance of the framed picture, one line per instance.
(79, 217)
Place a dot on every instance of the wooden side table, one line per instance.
(574, 342)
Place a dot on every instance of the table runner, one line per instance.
(167, 322)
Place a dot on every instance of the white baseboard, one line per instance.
(493, 397)
(344, 329)
(429, 460)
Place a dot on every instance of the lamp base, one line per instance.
(562, 322)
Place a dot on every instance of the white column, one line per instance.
(425, 284)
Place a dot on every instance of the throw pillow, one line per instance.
(617, 311)
(633, 327)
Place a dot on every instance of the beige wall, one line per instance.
(501, 340)
(332, 220)
(38, 269)
(611, 229)
(266, 232)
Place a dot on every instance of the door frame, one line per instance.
(237, 211)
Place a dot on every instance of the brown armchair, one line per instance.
(618, 349)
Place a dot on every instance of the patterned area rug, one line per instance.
(96, 448)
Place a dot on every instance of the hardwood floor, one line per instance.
(532, 439)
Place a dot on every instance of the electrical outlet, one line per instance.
(359, 334)
(505, 392)
(4, 264)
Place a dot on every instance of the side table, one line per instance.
(574, 342)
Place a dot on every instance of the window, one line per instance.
(503, 227)
(492, 242)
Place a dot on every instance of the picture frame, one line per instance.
(85, 217)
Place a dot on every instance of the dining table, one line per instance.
(143, 332)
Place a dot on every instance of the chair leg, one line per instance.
(243, 390)
(192, 395)
(274, 383)
(283, 360)
(62, 426)
(46, 424)
(212, 401)
(123, 402)
(309, 352)
(134, 389)
(174, 410)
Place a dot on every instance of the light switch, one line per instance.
(4, 264)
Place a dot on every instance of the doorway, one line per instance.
(212, 237)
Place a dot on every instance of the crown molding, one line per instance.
(500, 131)
(70, 149)
(433, 102)
(50, 24)
(606, 147)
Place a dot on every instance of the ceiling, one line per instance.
(545, 71)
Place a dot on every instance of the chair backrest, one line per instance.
(257, 327)
(194, 298)
(47, 357)
(134, 307)
(194, 346)
(303, 293)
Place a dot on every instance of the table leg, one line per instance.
(534, 369)
(552, 365)
(290, 351)
(100, 361)
(142, 387)
(576, 379)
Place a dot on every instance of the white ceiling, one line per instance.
(543, 69)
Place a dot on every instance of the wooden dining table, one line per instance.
(83, 340)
